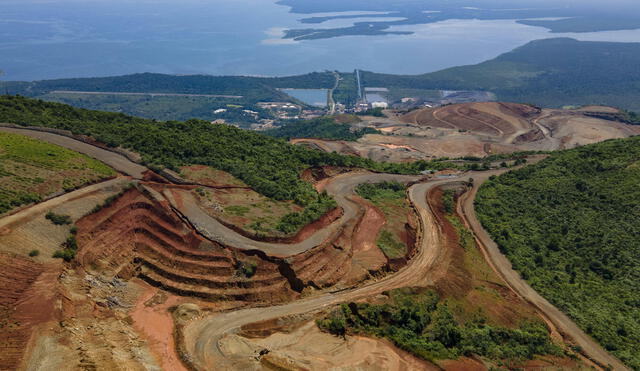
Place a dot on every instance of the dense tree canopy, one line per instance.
(320, 128)
(571, 226)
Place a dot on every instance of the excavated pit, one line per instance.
(141, 236)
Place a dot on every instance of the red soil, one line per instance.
(461, 279)
(367, 257)
(310, 229)
(27, 295)
(139, 237)
(156, 324)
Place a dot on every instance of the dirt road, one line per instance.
(339, 188)
(202, 336)
(118, 162)
(502, 266)
(42, 207)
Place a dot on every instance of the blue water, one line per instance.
(314, 97)
(73, 38)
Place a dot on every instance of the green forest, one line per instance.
(270, 166)
(320, 128)
(420, 322)
(250, 89)
(571, 226)
(549, 73)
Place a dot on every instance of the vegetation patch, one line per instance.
(246, 269)
(570, 226)
(390, 198)
(69, 249)
(207, 175)
(469, 313)
(320, 128)
(422, 323)
(246, 209)
(58, 219)
(31, 170)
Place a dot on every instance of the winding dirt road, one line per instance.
(340, 188)
(202, 336)
(502, 266)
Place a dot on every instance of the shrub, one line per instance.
(247, 269)
(34, 253)
(58, 219)
(65, 254)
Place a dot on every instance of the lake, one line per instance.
(71, 38)
(314, 97)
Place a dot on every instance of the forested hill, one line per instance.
(571, 225)
(252, 88)
(269, 165)
(550, 73)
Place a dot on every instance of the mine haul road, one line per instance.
(341, 188)
(201, 336)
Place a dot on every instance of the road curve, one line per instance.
(117, 161)
(340, 188)
(202, 336)
(503, 267)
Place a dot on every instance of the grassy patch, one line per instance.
(390, 246)
(390, 198)
(31, 170)
(237, 210)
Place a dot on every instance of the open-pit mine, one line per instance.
(160, 281)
